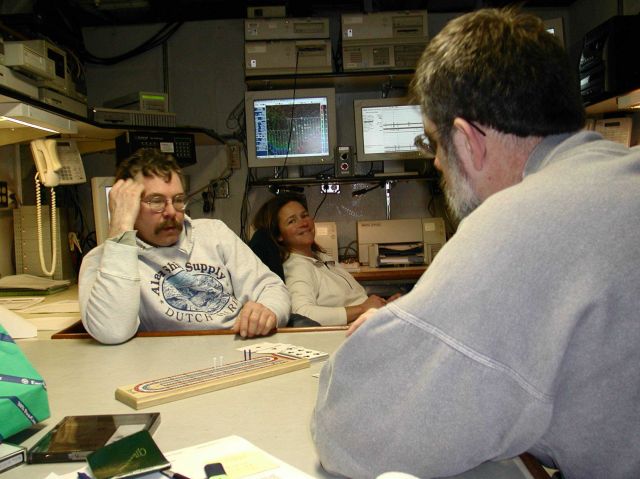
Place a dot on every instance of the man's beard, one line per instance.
(458, 191)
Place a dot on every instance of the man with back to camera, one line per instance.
(161, 270)
(524, 333)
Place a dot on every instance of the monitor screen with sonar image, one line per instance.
(285, 127)
(290, 127)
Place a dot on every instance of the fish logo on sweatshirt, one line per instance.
(194, 291)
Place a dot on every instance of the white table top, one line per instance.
(272, 413)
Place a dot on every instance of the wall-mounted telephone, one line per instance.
(58, 163)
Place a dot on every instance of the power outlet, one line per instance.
(4, 194)
(333, 188)
(233, 156)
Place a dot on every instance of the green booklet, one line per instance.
(131, 456)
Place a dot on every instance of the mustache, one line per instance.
(170, 223)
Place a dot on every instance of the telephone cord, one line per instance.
(54, 248)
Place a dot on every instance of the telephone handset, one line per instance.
(58, 163)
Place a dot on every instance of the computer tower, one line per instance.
(383, 40)
(287, 57)
(309, 28)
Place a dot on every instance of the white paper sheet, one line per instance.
(233, 452)
(16, 326)
(64, 306)
(17, 303)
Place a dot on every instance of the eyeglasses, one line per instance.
(159, 203)
(428, 146)
(425, 145)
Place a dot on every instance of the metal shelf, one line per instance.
(340, 180)
(342, 82)
(625, 102)
(92, 136)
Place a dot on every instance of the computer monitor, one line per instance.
(100, 187)
(386, 129)
(290, 127)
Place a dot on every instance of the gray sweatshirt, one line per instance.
(523, 335)
(201, 282)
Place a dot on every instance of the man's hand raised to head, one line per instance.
(124, 205)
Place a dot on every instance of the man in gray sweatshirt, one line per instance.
(524, 333)
(161, 270)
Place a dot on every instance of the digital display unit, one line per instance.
(290, 127)
(386, 129)
(100, 187)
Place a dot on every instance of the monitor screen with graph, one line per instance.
(386, 129)
(100, 187)
(290, 127)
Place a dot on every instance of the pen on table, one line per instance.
(173, 475)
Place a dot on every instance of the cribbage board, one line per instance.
(192, 383)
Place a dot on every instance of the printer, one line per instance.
(402, 242)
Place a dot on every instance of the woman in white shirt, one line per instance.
(320, 289)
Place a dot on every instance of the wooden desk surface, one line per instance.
(367, 273)
(272, 413)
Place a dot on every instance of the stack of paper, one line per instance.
(28, 284)
(239, 457)
(16, 326)
(17, 303)
(53, 316)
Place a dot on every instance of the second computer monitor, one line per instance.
(100, 187)
(290, 127)
(386, 129)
